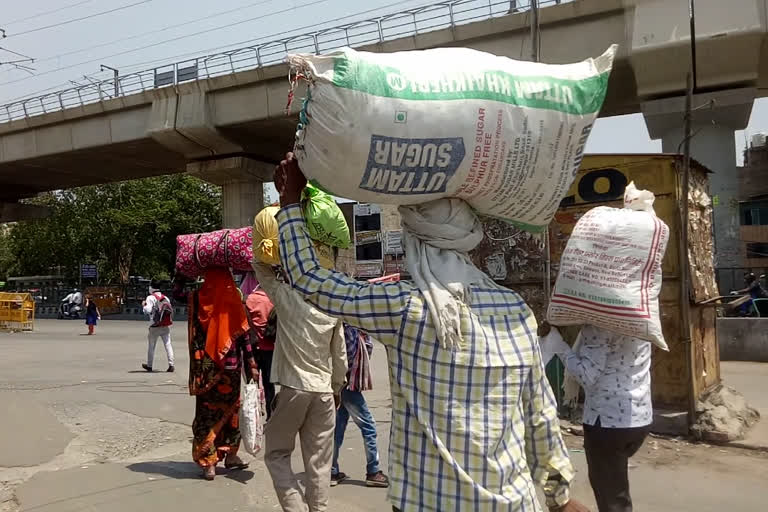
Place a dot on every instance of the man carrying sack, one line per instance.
(466, 374)
(310, 364)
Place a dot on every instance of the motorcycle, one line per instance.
(71, 306)
(750, 301)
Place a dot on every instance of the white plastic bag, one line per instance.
(252, 412)
(409, 127)
(610, 271)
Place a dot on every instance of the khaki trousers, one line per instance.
(313, 417)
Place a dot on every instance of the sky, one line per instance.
(140, 34)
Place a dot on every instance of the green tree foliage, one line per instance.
(126, 228)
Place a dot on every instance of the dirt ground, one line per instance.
(86, 429)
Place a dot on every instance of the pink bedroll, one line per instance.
(230, 248)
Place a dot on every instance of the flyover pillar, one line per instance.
(715, 118)
(242, 186)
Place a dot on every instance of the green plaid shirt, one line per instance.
(472, 430)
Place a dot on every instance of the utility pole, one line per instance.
(535, 34)
(117, 75)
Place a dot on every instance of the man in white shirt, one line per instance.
(160, 311)
(310, 364)
(615, 372)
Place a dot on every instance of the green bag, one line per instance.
(325, 220)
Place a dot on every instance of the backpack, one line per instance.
(162, 312)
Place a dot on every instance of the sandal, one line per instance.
(235, 463)
(209, 473)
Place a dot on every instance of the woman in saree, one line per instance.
(218, 349)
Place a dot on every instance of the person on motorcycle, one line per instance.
(71, 305)
(755, 291)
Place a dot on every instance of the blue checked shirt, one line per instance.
(472, 430)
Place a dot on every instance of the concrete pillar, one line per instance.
(716, 117)
(242, 186)
(240, 202)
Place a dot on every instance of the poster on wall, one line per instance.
(367, 237)
(394, 242)
(369, 269)
(395, 267)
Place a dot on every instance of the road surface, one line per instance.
(86, 429)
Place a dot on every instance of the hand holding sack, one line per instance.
(610, 272)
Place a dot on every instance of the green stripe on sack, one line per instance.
(579, 97)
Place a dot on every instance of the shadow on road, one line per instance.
(187, 471)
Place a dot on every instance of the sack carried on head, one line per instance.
(410, 127)
(266, 239)
(610, 271)
(325, 220)
(226, 248)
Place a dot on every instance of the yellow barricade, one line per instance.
(17, 311)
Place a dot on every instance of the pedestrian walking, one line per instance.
(474, 421)
(92, 314)
(263, 332)
(219, 350)
(353, 405)
(160, 311)
(310, 364)
(615, 372)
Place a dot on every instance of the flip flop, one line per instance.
(236, 466)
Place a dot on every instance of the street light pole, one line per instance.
(117, 74)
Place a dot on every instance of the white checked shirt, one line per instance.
(615, 372)
(310, 353)
(472, 430)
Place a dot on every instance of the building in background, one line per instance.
(753, 207)
(377, 241)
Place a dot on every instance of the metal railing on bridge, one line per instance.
(412, 22)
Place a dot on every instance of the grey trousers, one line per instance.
(313, 417)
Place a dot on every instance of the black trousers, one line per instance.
(608, 451)
(264, 362)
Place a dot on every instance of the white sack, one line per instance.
(610, 271)
(410, 127)
(252, 412)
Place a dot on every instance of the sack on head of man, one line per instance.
(266, 245)
(410, 127)
(265, 236)
(610, 271)
(325, 220)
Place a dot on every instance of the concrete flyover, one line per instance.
(62, 140)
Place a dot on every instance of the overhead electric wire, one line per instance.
(199, 52)
(16, 53)
(231, 45)
(133, 50)
(45, 13)
(168, 27)
(236, 45)
(82, 18)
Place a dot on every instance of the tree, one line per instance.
(127, 228)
